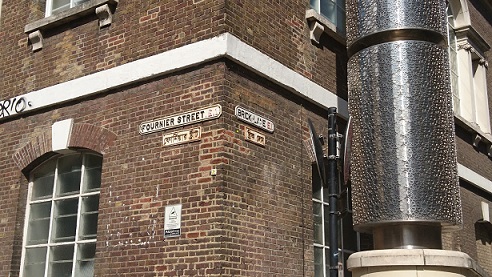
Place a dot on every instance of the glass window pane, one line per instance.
(316, 183)
(66, 207)
(327, 224)
(318, 262)
(90, 203)
(341, 21)
(78, 2)
(349, 235)
(65, 220)
(85, 260)
(69, 174)
(60, 5)
(318, 223)
(88, 219)
(329, 10)
(92, 176)
(315, 5)
(450, 16)
(61, 260)
(43, 187)
(43, 180)
(35, 260)
(39, 223)
(327, 260)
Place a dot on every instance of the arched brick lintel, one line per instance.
(82, 135)
(91, 137)
(36, 148)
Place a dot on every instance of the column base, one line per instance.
(413, 263)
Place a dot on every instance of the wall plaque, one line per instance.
(180, 137)
(172, 221)
(254, 137)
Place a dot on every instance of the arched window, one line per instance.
(61, 216)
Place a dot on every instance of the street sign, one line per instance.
(181, 119)
(254, 119)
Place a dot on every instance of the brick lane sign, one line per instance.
(181, 119)
(254, 119)
(180, 137)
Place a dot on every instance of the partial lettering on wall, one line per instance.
(182, 119)
(14, 106)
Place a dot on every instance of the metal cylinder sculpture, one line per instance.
(404, 177)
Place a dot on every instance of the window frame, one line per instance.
(56, 199)
(472, 108)
(453, 59)
(343, 221)
(72, 3)
(340, 9)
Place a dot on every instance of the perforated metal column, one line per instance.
(403, 158)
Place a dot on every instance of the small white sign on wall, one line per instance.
(175, 138)
(172, 221)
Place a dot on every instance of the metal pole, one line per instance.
(332, 183)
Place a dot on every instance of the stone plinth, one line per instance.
(413, 263)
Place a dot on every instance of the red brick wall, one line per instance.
(473, 158)
(279, 29)
(144, 28)
(139, 29)
(474, 237)
(252, 219)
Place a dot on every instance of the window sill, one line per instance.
(478, 135)
(102, 8)
(318, 25)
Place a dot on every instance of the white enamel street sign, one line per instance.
(180, 119)
(254, 119)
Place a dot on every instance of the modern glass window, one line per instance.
(54, 6)
(453, 61)
(349, 240)
(468, 70)
(61, 217)
(333, 10)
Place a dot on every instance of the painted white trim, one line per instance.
(282, 75)
(60, 134)
(485, 212)
(474, 178)
(224, 45)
